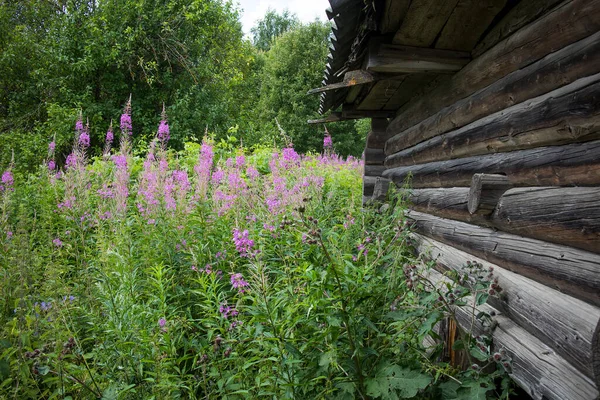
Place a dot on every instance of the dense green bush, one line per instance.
(60, 57)
(210, 273)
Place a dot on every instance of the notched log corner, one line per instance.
(485, 193)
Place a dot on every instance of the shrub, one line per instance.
(215, 274)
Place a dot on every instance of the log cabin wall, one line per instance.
(496, 122)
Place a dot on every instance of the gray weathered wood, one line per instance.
(405, 59)
(374, 156)
(333, 117)
(382, 186)
(568, 114)
(393, 15)
(379, 94)
(566, 24)
(563, 215)
(369, 185)
(562, 322)
(351, 78)
(351, 112)
(521, 14)
(535, 367)
(423, 22)
(378, 136)
(468, 21)
(485, 192)
(572, 271)
(561, 68)
(573, 164)
(374, 170)
(408, 89)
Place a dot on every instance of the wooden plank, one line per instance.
(408, 89)
(568, 23)
(393, 15)
(522, 14)
(351, 112)
(467, 23)
(572, 271)
(333, 117)
(536, 367)
(417, 85)
(568, 216)
(423, 22)
(566, 115)
(351, 78)
(379, 95)
(570, 165)
(561, 68)
(406, 59)
(560, 321)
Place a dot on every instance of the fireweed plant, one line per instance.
(211, 274)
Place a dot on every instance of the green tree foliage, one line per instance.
(292, 66)
(58, 57)
(271, 26)
(62, 57)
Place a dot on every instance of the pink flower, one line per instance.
(7, 179)
(162, 322)
(51, 146)
(84, 139)
(327, 142)
(238, 282)
(51, 165)
(243, 243)
(163, 131)
(57, 242)
(110, 136)
(126, 126)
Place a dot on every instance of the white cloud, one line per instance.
(306, 10)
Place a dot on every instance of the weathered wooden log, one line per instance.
(374, 156)
(568, 216)
(369, 185)
(568, 114)
(520, 15)
(382, 186)
(535, 367)
(575, 164)
(374, 170)
(564, 25)
(378, 136)
(562, 322)
(407, 59)
(572, 271)
(485, 192)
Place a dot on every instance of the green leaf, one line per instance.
(478, 354)
(43, 370)
(481, 298)
(458, 345)
(474, 390)
(430, 322)
(393, 381)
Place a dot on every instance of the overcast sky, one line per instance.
(306, 10)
